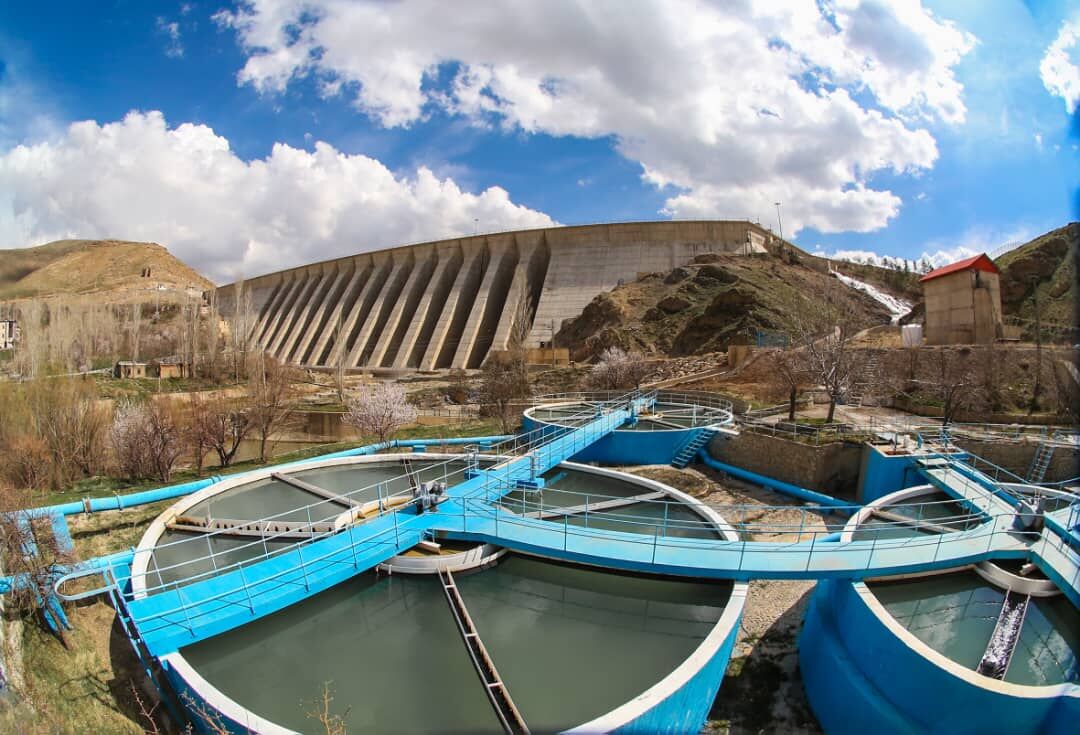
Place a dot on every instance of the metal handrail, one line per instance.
(482, 509)
(492, 476)
(521, 444)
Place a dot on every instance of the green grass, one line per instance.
(110, 387)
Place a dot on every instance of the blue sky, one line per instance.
(252, 137)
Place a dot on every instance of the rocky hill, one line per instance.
(1044, 269)
(115, 269)
(701, 307)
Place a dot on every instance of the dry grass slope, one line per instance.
(88, 266)
(700, 308)
(1046, 266)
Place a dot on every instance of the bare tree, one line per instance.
(789, 376)
(380, 410)
(194, 427)
(823, 327)
(240, 327)
(329, 723)
(134, 328)
(67, 417)
(272, 397)
(504, 380)
(617, 370)
(31, 556)
(224, 428)
(952, 380)
(147, 440)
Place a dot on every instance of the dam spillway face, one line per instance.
(446, 304)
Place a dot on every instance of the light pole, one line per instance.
(476, 225)
(779, 223)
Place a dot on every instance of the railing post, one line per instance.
(303, 566)
(210, 548)
(247, 590)
(565, 530)
(655, 530)
(183, 606)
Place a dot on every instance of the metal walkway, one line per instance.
(171, 616)
(509, 716)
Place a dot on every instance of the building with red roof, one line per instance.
(963, 302)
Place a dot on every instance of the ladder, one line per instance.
(1040, 462)
(689, 450)
(509, 716)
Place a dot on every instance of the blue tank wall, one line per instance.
(629, 447)
(860, 677)
(197, 710)
(687, 708)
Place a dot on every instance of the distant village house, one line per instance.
(166, 368)
(9, 332)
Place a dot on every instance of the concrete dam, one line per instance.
(448, 303)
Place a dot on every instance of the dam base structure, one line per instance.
(446, 304)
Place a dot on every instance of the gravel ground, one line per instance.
(762, 689)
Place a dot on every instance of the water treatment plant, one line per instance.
(518, 583)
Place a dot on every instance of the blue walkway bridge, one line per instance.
(167, 614)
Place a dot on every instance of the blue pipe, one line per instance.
(784, 487)
(119, 502)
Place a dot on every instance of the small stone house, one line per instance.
(963, 302)
(168, 369)
(129, 369)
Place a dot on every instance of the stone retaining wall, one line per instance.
(828, 468)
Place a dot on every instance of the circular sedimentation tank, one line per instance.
(652, 437)
(577, 647)
(993, 647)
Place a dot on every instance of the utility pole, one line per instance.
(779, 223)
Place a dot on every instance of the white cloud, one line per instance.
(139, 179)
(734, 105)
(171, 31)
(942, 251)
(1059, 71)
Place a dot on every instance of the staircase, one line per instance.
(689, 450)
(861, 391)
(1041, 461)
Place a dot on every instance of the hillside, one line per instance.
(701, 307)
(112, 267)
(1046, 267)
